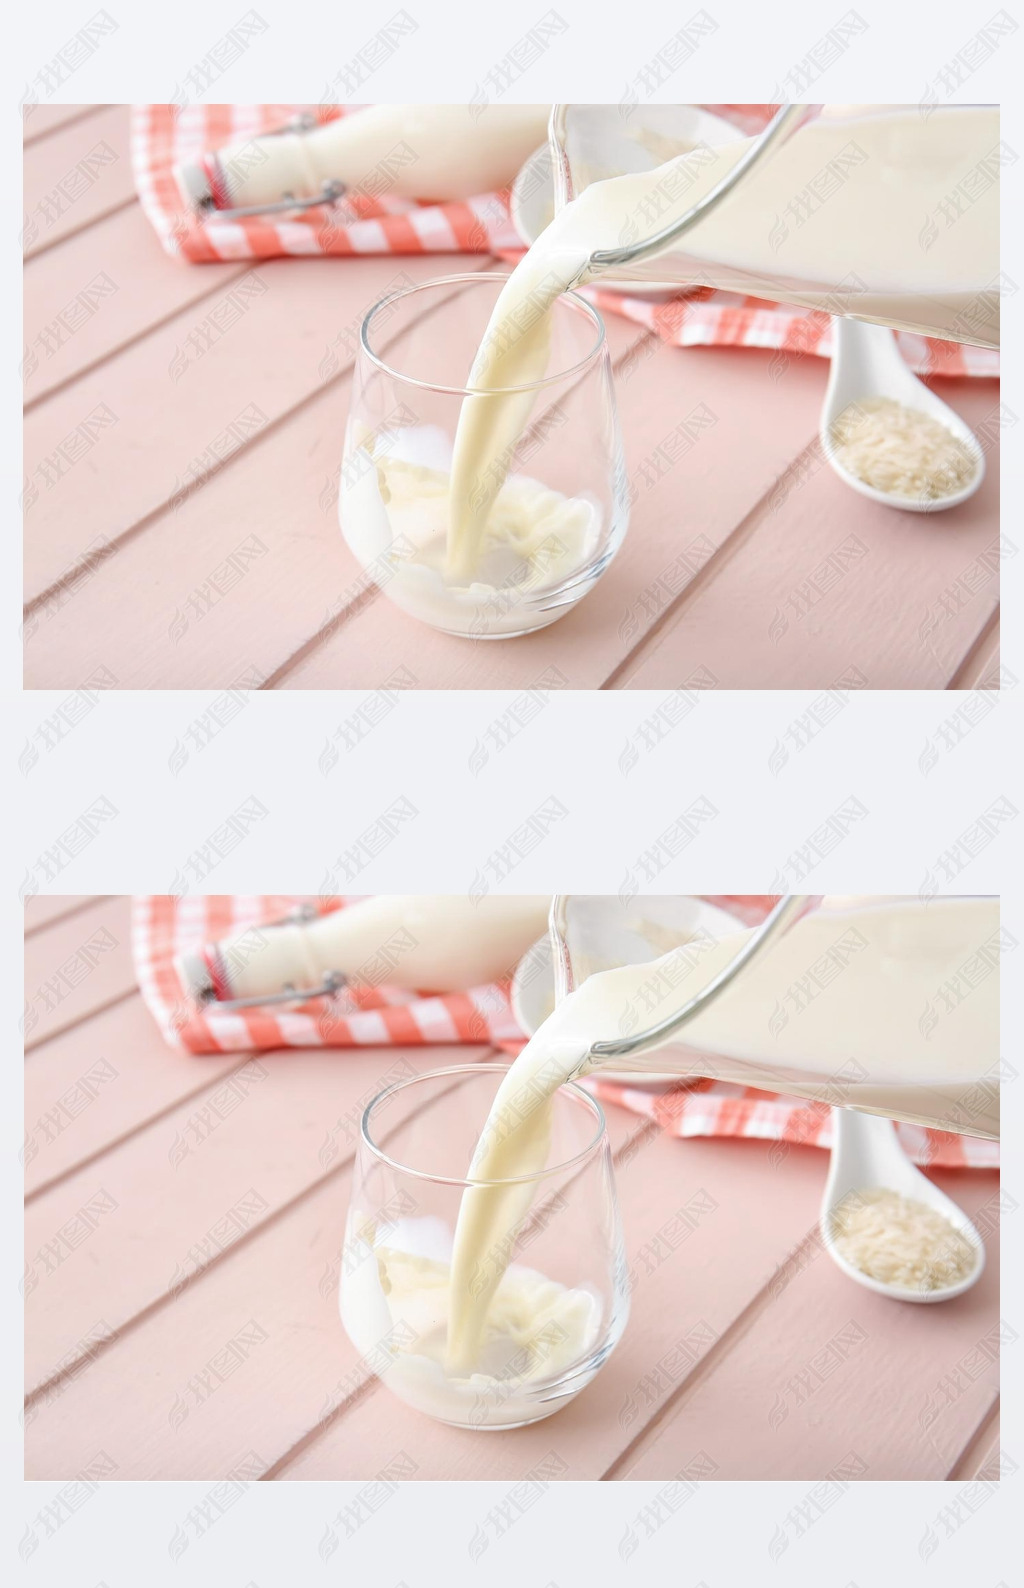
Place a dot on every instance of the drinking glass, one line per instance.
(562, 1304)
(416, 350)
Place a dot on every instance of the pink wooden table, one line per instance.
(183, 441)
(184, 1218)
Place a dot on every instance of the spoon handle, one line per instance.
(866, 1152)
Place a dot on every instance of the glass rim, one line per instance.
(465, 1181)
(574, 300)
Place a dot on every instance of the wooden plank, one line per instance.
(679, 1304)
(42, 909)
(100, 292)
(685, 506)
(214, 396)
(96, 1083)
(285, 1283)
(227, 587)
(982, 669)
(288, 591)
(78, 965)
(824, 582)
(39, 120)
(284, 1279)
(292, 572)
(983, 1457)
(76, 176)
(302, 1366)
(165, 1202)
(259, 530)
(827, 1367)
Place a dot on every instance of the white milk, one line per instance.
(885, 1009)
(394, 517)
(395, 1304)
(399, 151)
(904, 204)
(438, 942)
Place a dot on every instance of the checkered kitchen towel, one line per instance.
(164, 135)
(164, 925)
(380, 1016)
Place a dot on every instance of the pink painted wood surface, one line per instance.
(201, 397)
(983, 1457)
(40, 119)
(224, 1186)
(76, 177)
(122, 287)
(40, 910)
(833, 1357)
(806, 582)
(92, 1085)
(981, 669)
(759, 605)
(268, 1123)
(79, 965)
(681, 1300)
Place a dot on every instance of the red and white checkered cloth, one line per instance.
(164, 135)
(164, 926)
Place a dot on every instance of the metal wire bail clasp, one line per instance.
(332, 983)
(330, 192)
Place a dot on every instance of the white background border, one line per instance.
(571, 751)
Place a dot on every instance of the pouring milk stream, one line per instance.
(878, 212)
(876, 192)
(873, 1011)
(912, 1014)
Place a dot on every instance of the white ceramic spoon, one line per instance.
(866, 1153)
(866, 362)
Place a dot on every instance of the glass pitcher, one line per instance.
(884, 1004)
(887, 213)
